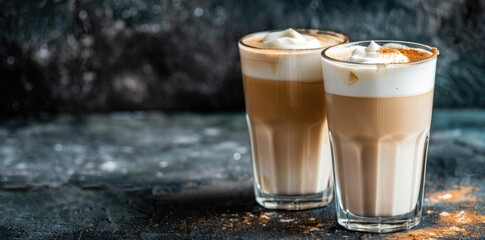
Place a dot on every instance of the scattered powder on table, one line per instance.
(317, 227)
(429, 211)
(287, 220)
(265, 217)
(454, 224)
(461, 217)
(248, 220)
(430, 233)
(456, 195)
(239, 223)
(253, 222)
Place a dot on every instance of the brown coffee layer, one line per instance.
(289, 135)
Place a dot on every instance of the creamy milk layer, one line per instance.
(378, 71)
(285, 55)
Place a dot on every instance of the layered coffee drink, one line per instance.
(286, 116)
(379, 103)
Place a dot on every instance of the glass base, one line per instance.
(293, 202)
(380, 224)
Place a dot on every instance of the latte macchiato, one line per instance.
(379, 103)
(286, 116)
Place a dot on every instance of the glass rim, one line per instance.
(433, 50)
(341, 36)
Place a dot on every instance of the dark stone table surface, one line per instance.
(171, 176)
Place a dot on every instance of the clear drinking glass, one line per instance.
(287, 123)
(379, 120)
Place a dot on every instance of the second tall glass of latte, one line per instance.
(286, 117)
(379, 98)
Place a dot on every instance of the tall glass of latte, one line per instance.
(286, 116)
(379, 98)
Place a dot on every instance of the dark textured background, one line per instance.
(169, 176)
(100, 56)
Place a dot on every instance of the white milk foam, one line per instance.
(286, 55)
(371, 54)
(375, 78)
(290, 39)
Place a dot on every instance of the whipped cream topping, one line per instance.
(374, 54)
(290, 39)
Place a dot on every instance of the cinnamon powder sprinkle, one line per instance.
(412, 54)
(461, 217)
(458, 195)
(455, 224)
(430, 234)
(387, 50)
(265, 218)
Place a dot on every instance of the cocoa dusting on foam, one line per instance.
(389, 53)
(412, 54)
